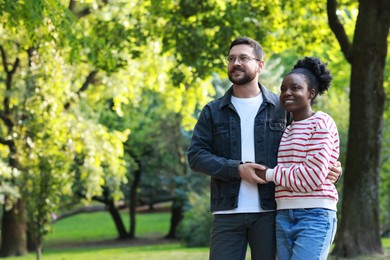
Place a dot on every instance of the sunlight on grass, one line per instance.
(99, 226)
(159, 252)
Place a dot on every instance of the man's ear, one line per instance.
(260, 65)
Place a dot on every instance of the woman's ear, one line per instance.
(312, 93)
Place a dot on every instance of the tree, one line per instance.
(360, 227)
(41, 134)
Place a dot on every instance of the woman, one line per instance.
(306, 200)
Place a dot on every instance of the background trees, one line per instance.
(99, 99)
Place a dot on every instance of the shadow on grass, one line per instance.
(110, 243)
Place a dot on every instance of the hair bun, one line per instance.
(319, 69)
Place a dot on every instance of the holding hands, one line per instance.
(256, 173)
(249, 172)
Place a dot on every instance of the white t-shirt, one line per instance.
(248, 197)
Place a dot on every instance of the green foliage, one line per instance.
(384, 191)
(9, 192)
(194, 230)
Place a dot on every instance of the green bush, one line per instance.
(194, 229)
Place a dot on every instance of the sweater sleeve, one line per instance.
(309, 174)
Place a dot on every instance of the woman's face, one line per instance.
(295, 95)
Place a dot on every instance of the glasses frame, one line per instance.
(242, 59)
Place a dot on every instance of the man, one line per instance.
(233, 135)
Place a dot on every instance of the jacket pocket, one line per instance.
(221, 138)
(277, 126)
(276, 133)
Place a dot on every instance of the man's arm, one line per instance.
(201, 156)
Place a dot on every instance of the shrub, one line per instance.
(194, 229)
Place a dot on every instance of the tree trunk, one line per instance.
(13, 235)
(31, 242)
(133, 198)
(359, 230)
(179, 199)
(109, 203)
(38, 252)
(120, 227)
(176, 217)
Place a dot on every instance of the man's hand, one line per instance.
(335, 172)
(248, 170)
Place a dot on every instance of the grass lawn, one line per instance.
(92, 236)
(155, 252)
(99, 226)
(78, 237)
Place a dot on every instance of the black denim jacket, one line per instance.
(215, 147)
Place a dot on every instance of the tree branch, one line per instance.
(84, 12)
(10, 74)
(7, 120)
(5, 142)
(5, 63)
(72, 4)
(4, 58)
(338, 29)
(89, 80)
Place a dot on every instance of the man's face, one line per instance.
(241, 73)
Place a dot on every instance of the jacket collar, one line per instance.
(267, 96)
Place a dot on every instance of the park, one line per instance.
(99, 99)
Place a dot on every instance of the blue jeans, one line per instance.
(305, 233)
(231, 233)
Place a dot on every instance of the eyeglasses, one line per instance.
(242, 59)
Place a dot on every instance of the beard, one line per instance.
(244, 79)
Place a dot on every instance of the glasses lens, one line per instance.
(230, 59)
(242, 59)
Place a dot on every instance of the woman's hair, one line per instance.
(257, 49)
(317, 74)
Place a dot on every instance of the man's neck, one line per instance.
(249, 90)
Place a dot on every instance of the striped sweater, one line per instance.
(307, 150)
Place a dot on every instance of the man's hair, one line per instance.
(257, 49)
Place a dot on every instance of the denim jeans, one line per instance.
(231, 233)
(305, 233)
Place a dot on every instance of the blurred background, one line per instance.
(99, 99)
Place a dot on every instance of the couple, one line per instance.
(248, 144)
